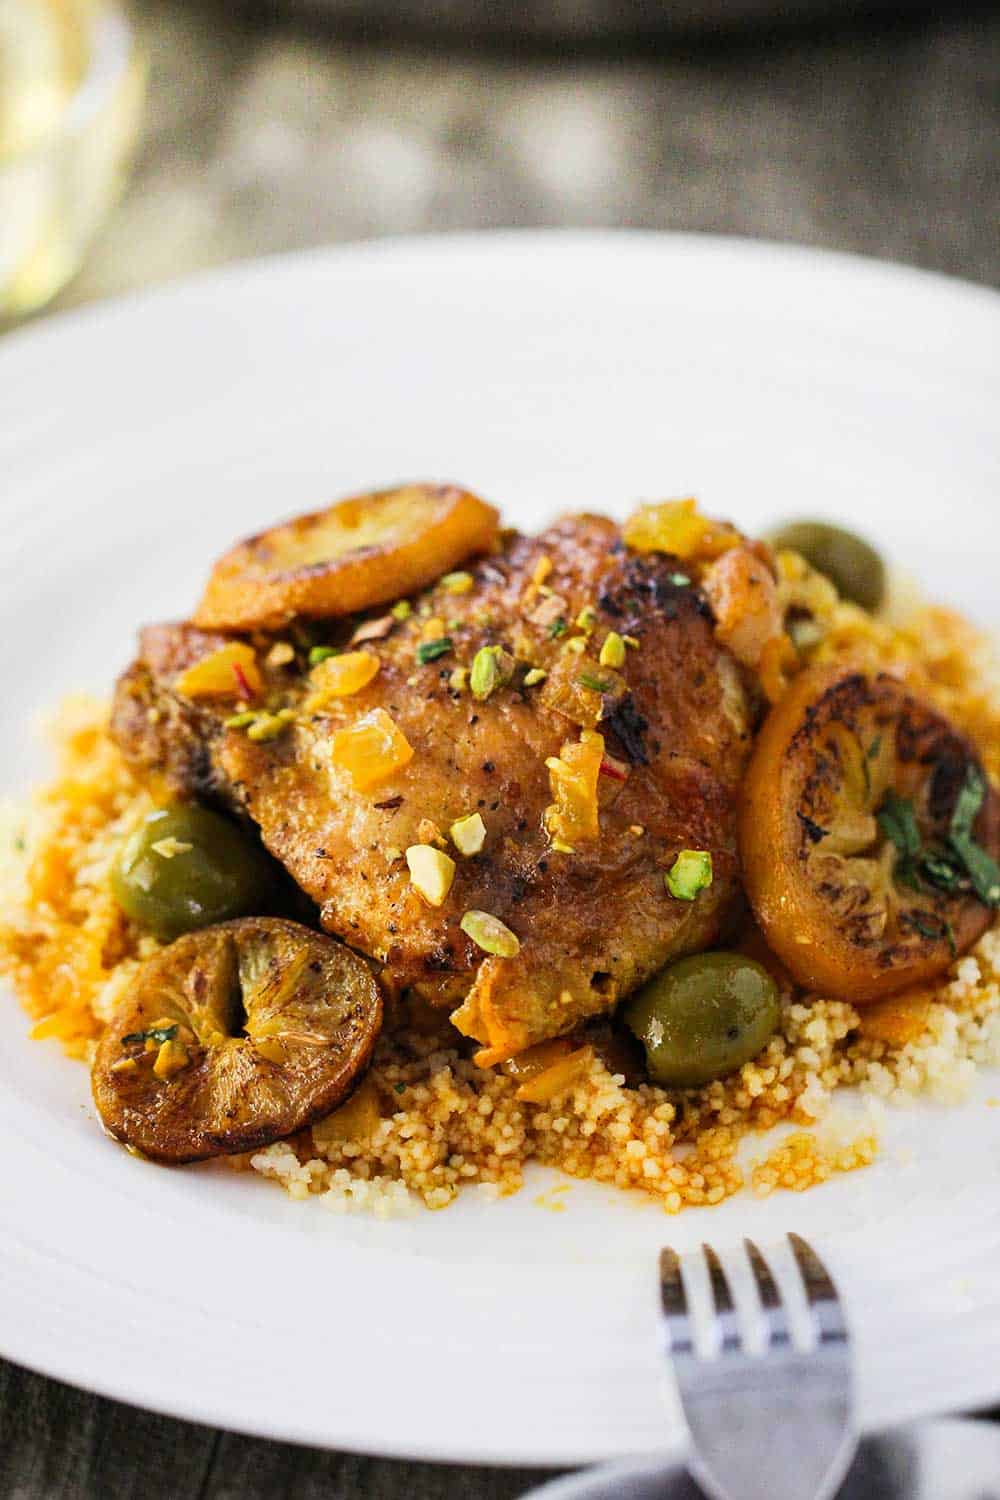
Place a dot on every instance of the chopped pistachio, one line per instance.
(402, 611)
(266, 727)
(690, 873)
(541, 570)
(459, 680)
(321, 653)
(492, 667)
(167, 848)
(613, 650)
(373, 630)
(596, 684)
(457, 583)
(631, 640)
(280, 654)
(431, 872)
(125, 1065)
(429, 651)
(240, 721)
(561, 847)
(424, 610)
(534, 677)
(679, 580)
(587, 618)
(468, 834)
(490, 934)
(576, 644)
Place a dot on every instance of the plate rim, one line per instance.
(411, 252)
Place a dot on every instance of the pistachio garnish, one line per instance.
(490, 934)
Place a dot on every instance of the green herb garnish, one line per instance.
(679, 580)
(960, 864)
(154, 1034)
(558, 627)
(431, 650)
(982, 868)
(596, 684)
(932, 927)
(940, 870)
(320, 653)
(898, 822)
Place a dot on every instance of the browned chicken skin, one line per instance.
(592, 924)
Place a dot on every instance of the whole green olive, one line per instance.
(704, 1017)
(186, 867)
(851, 563)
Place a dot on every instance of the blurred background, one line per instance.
(240, 129)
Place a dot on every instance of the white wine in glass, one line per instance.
(71, 84)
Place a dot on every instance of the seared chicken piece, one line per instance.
(594, 916)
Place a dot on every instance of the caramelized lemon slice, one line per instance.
(868, 833)
(358, 553)
(233, 1037)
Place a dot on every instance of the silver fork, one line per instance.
(774, 1425)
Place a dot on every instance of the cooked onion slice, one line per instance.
(850, 835)
(233, 1037)
(360, 552)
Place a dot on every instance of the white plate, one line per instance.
(547, 371)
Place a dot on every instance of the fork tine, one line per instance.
(721, 1295)
(673, 1300)
(824, 1301)
(727, 1327)
(773, 1308)
(766, 1288)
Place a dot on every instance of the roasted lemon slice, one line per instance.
(233, 1037)
(868, 834)
(358, 553)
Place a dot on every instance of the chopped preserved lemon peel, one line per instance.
(677, 527)
(171, 1057)
(573, 816)
(371, 750)
(229, 672)
(340, 677)
(557, 1078)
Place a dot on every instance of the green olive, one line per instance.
(186, 867)
(850, 562)
(704, 1017)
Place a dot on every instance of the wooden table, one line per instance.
(260, 138)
